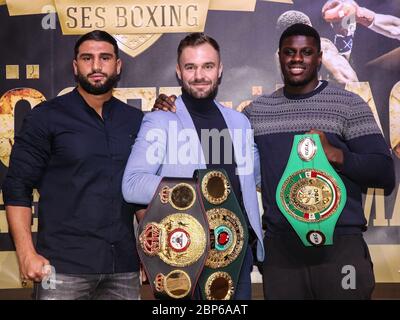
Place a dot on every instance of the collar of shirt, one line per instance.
(107, 106)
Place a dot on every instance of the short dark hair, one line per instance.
(195, 39)
(301, 29)
(97, 35)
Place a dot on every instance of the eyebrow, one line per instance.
(103, 54)
(296, 48)
(203, 64)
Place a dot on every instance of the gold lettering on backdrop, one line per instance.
(20, 7)
(122, 21)
(379, 197)
(125, 17)
(72, 22)
(394, 119)
(135, 26)
(7, 111)
(395, 221)
(363, 89)
(191, 18)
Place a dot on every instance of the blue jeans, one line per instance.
(116, 286)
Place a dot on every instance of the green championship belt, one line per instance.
(173, 239)
(228, 236)
(310, 194)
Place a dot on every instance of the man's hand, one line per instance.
(33, 267)
(334, 155)
(165, 103)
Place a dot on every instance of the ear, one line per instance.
(75, 66)
(178, 72)
(119, 65)
(220, 69)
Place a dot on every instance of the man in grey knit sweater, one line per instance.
(353, 145)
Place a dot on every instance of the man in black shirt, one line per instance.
(73, 149)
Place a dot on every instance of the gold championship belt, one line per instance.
(173, 239)
(228, 236)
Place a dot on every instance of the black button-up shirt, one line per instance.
(76, 160)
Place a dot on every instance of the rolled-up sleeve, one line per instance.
(29, 157)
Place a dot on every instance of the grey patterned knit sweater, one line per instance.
(349, 125)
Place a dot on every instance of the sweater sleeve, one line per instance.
(369, 163)
(368, 160)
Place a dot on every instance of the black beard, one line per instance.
(210, 95)
(97, 90)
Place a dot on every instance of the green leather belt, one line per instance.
(228, 235)
(310, 194)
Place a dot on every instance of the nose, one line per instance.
(298, 57)
(198, 74)
(97, 65)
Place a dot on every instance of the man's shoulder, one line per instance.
(347, 100)
(265, 101)
(127, 109)
(126, 106)
(334, 89)
(47, 106)
(269, 98)
(56, 102)
(160, 116)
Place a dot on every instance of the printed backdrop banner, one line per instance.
(36, 65)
